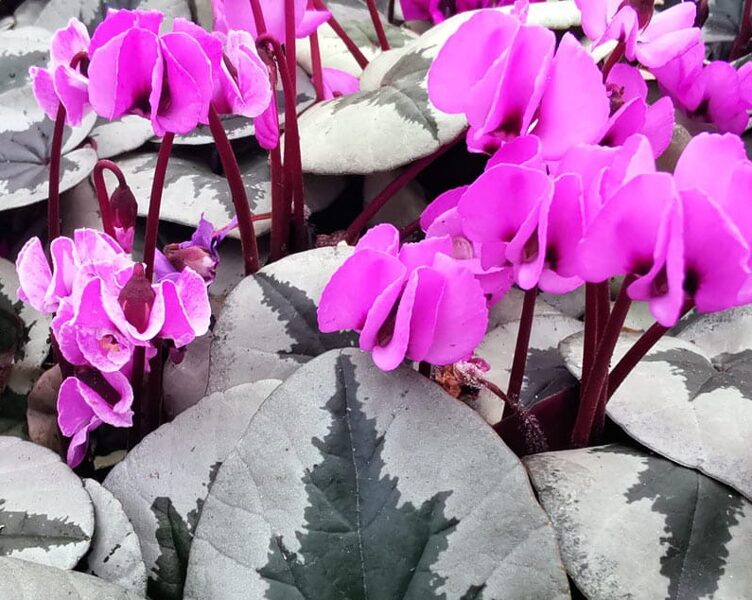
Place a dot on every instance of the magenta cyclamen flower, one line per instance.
(167, 78)
(413, 302)
(652, 39)
(105, 308)
(237, 14)
(338, 83)
(439, 10)
(676, 235)
(60, 83)
(505, 77)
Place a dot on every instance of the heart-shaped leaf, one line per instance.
(389, 123)
(162, 483)
(117, 137)
(362, 491)
(191, 188)
(283, 333)
(690, 406)
(46, 516)
(115, 553)
(56, 13)
(25, 139)
(22, 580)
(634, 525)
(19, 50)
(35, 343)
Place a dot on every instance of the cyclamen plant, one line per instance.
(593, 158)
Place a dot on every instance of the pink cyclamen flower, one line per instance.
(716, 94)
(237, 14)
(86, 401)
(652, 39)
(166, 78)
(528, 223)
(339, 83)
(508, 81)
(60, 83)
(438, 10)
(674, 237)
(630, 112)
(201, 253)
(413, 302)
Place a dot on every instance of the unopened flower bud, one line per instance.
(124, 213)
(136, 299)
(197, 258)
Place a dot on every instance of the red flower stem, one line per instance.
(103, 197)
(258, 17)
(56, 151)
(373, 207)
(613, 58)
(237, 191)
(636, 353)
(521, 347)
(136, 433)
(318, 73)
(261, 217)
(155, 390)
(290, 51)
(409, 230)
(155, 202)
(346, 39)
(293, 169)
(598, 378)
(590, 342)
(745, 32)
(377, 24)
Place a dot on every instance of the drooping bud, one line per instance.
(198, 258)
(124, 213)
(136, 299)
(644, 10)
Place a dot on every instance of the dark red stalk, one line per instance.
(529, 426)
(56, 151)
(318, 73)
(390, 12)
(409, 230)
(290, 51)
(636, 353)
(237, 191)
(424, 368)
(258, 17)
(293, 170)
(103, 196)
(377, 24)
(136, 433)
(521, 347)
(155, 392)
(745, 32)
(346, 39)
(598, 378)
(373, 207)
(613, 58)
(590, 342)
(155, 203)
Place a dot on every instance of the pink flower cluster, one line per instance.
(129, 67)
(570, 193)
(104, 309)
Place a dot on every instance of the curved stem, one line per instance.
(375, 205)
(103, 196)
(237, 191)
(346, 39)
(521, 347)
(599, 373)
(377, 24)
(56, 150)
(318, 73)
(155, 203)
(293, 170)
